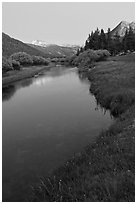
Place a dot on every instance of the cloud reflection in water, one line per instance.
(42, 81)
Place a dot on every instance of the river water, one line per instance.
(45, 121)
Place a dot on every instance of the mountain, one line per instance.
(53, 49)
(40, 43)
(44, 44)
(38, 48)
(11, 45)
(121, 28)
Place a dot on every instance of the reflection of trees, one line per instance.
(8, 92)
(26, 82)
(82, 77)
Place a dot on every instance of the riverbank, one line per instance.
(104, 170)
(25, 72)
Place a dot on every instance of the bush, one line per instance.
(103, 54)
(70, 60)
(88, 57)
(62, 60)
(23, 58)
(85, 58)
(6, 65)
(15, 64)
(55, 60)
(38, 60)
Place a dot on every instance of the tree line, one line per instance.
(114, 44)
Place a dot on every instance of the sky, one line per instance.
(62, 22)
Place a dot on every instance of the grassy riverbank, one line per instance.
(26, 72)
(104, 170)
(113, 83)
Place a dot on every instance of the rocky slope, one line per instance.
(121, 28)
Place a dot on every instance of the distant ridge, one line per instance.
(44, 44)
(53, 49)
(11, 45)
(121, 28)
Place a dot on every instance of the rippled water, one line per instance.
(45, 121)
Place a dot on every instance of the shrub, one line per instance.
(6, 65)
(62, 60)
(54, 60)
(38, 60)
(23, 58)
(15, 64)
(70, 60)
(89, 56)
(85, 58)
(103, 54)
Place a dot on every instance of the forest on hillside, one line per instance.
(114, 44)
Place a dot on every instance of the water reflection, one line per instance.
(42, 81)
(26, 82)
(82, 77)
(48, 120)
(8, 92)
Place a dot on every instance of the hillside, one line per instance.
(11, 45)
(121, 28)
(55, 50)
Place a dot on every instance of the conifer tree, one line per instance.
(96, 39)
(91, 41)
(78, 51)
(117, 44)
(124, 41)
(131, 40)
(86, 45)
(102, 40)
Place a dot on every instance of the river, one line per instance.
(45, 121)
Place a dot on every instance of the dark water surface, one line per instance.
(45, 121)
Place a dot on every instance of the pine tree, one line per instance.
(124, 42)
(86, 47)
(81, 50)
(78, 52)
(102, 40)
(91, 41)
(117, 44)
(96, 39)
(129, 40)
(109, 41)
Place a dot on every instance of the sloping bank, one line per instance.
(24, 73)
(103, 171)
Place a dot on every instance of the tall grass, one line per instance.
(113, 84)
